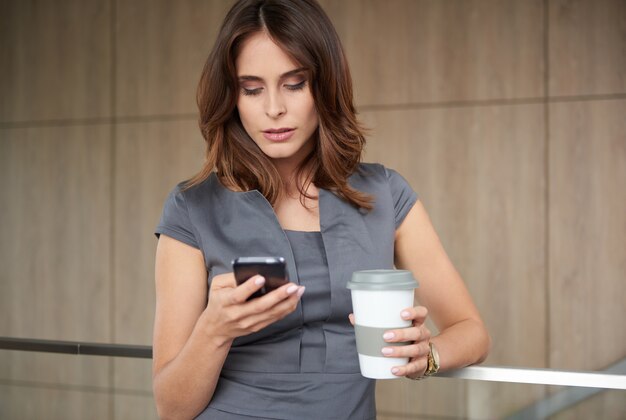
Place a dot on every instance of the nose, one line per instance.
(275, 105)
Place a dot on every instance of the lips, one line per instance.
(278, 134)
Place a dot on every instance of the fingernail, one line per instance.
(405, 314)
(292, 289)
(388, 335)
(301, 291)
(387, 351)
(395, 370)
(259, 281)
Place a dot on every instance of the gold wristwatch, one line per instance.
(433, 363)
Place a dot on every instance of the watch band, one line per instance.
(433, 363)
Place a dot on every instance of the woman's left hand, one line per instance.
(417, 352)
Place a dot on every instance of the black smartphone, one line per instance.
(272, 268)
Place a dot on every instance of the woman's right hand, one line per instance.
(229, 314)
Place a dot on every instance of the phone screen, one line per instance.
(272, 268)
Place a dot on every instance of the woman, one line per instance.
(282, 177)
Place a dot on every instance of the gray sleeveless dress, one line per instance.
(305, 366)
(299, 395)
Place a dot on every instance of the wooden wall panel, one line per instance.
(161, 49)
(587, 231)
(479, 172)
(56, 231)
(134, 407)
(408, 51)
(151, 158)
(587, 43)
(434, 398)
(608, 405)
(133, 375)
(50, 369)
(21, 402)
(55, 247)
(56, 59)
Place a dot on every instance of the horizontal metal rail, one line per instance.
(74, 347)
(539, 376)
(477, 373)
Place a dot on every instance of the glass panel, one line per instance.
(45, 385)
(451, 398)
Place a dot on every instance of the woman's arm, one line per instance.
(463, 339)
(192, 337)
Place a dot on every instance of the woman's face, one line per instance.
(275, 102)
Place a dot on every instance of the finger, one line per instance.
(417, 314)
(413, 369)
(351, 318)
(271, 299)
(241, 293)
(262, 319)
(268, 308)
(413, 351)
(416, 333)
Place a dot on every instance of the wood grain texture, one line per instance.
(56, 59)
(587, 253)
(161, 49)
(55, 247)
(134, 407)
(608, 405)
(151, 158)
(21, 402)
(498, 400)
(479, 172)
(587, 231)
(434, 398)
(133, 374)
(587, 47)
(54, 369)
(415, 51)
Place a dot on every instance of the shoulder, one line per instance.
(373, 172)
(369, 172)
(198, 193)
(370, 168)
(390, 188)
(376, 178)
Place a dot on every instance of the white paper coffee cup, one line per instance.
(378, 297)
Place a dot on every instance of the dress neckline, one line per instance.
(302, 231)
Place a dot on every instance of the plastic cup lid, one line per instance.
(382, 280)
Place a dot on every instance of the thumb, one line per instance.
(351, 318)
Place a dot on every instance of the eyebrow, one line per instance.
(282, 76)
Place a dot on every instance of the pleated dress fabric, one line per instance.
(312, 392)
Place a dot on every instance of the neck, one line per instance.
(287, 169)
(289, 177)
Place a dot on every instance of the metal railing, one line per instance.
(75, 347)
(612, 379)
(581, 385)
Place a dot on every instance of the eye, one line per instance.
(297, 86)
(251, 92)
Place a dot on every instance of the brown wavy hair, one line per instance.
(304, 31)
